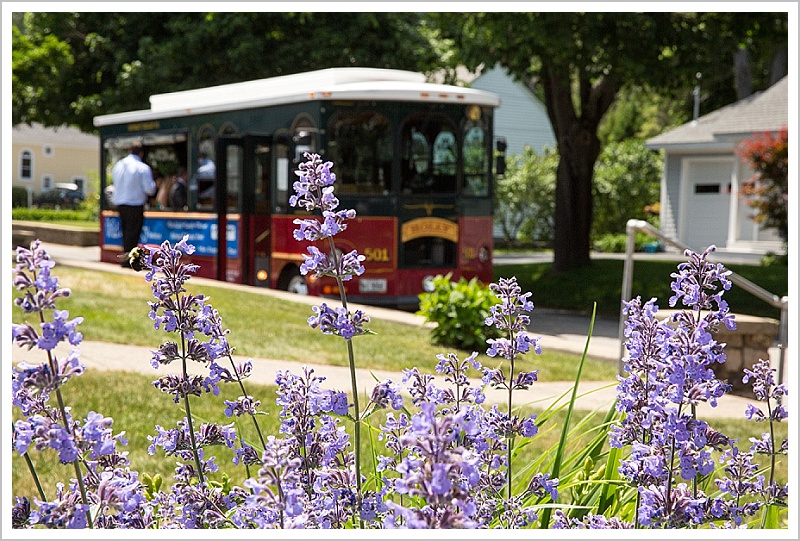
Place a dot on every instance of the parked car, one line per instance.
(63, 195)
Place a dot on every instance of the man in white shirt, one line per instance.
(206, 176)
(133, 183)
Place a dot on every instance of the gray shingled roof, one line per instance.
(761, 112)
(67, 136)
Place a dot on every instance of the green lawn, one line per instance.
(601, 282)
(114, 308)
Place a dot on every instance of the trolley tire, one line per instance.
(293, 282)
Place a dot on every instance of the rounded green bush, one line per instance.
(459, 310)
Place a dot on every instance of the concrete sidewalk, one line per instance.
(558, 331)
(592, 394)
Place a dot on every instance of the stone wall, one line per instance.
(745, 346)
(22, 232)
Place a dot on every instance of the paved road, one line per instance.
(719, 256)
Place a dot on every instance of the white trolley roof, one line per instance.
(328, 84)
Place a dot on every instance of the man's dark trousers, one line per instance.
(132, 219)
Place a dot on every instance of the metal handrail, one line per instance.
(627, 281)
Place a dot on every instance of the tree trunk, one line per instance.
(573, 212)
(743, 79)
(578, 149)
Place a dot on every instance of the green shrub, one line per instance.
(53, 215)
(459, 310)
(771, 259)
(614, 243)
(19, 196)
(627, 179)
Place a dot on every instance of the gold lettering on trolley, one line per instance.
(429, 227)
(141, 126)
(378, 255)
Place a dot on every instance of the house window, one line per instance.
(47, 182)
(706, 188)
(26, 165)
(48, 151)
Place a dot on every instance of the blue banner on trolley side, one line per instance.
(202, 233)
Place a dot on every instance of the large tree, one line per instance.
(117, 60)
(578, 62)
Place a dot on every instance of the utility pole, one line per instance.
(696, 93)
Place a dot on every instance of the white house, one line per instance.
(700, 201)
(521, 118)
(44, 156)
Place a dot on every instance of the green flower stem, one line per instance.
(62, 408)
(244, 392)
(772, 442)
(78, 473)
(191, 436)
(772, 462)
(189, 416)
(35, 476)
(353, 382)
(357, 424)
(670, 469)
(510, 392)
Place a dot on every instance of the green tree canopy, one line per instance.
(524, 196)
(627, 180)
(119, 59)
(580, 61)
(38, 65)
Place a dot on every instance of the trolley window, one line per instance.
(360, 147)
(166, 153)
(476, 171)
(430, 152)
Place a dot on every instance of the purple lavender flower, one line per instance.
(455, 373)
(41, 378)
(541, 484)
(64, 511)
(58, 330)
(96, 433)
(763, 377)
(387, 394)
(591, 521)
(510, 314)
(338, 321)
(695, 283)
(680, 509)
(314, 189)
(670, 367)
(345, 266)
(503, 347)
(241, 406)
(332, 224)
(32, 275)
(246, 454)
(21, 513)
(436, 469)
(178, 441)
(422, 388)
(180, 387)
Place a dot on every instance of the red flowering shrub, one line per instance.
(768, 189)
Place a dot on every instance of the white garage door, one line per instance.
(706, 208)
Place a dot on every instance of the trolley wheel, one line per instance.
(293, 282)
